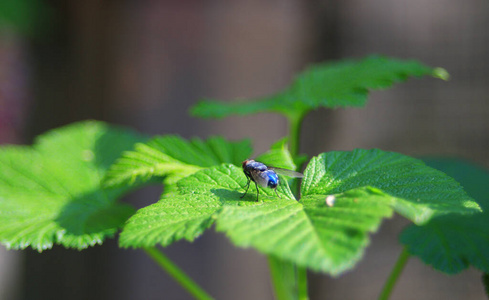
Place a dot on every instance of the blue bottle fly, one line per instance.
(264, 176)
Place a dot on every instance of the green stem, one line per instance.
(294, 133)
(174, 271)
(394, 276)
(295, 124)
(290, 281)
(302, 283)
(283, 278)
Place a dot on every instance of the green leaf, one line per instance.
(339, 84)
(369, 186)
(186, 214)
(175, 158)
(50, 193)
(278, 156)
(27, 17)
(452, 243)
(415, 190)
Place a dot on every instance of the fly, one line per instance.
(264, 176)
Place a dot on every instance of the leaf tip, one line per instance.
(441, 73)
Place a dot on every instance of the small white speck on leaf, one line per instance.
(330, 200)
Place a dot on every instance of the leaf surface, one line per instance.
(369, 185)
(175, 158)
(452, 243)
(278, 156)
(194, 208)
(338, 84)
(50, 193)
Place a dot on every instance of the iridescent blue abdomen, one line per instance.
(272, 179)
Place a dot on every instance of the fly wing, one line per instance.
(259, 177)
(286, 172)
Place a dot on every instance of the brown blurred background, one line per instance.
(144, 63)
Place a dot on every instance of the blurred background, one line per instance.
(144, 63)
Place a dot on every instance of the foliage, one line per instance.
(327, 239)
(453, 242)
(27, 17)
(50, 193)
(64, 189)
(173, 157)
(336, 84)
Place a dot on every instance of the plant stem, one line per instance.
(302, 283)
(283, 278)
(290, 281)
(295, 143)
(174, 271)
(394, 276)
(294, 133)
(295, 124)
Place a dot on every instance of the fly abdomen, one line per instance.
(272, 179)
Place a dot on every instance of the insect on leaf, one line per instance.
(369, 185)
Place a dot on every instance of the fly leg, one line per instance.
(247, 187)
(277, 193)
